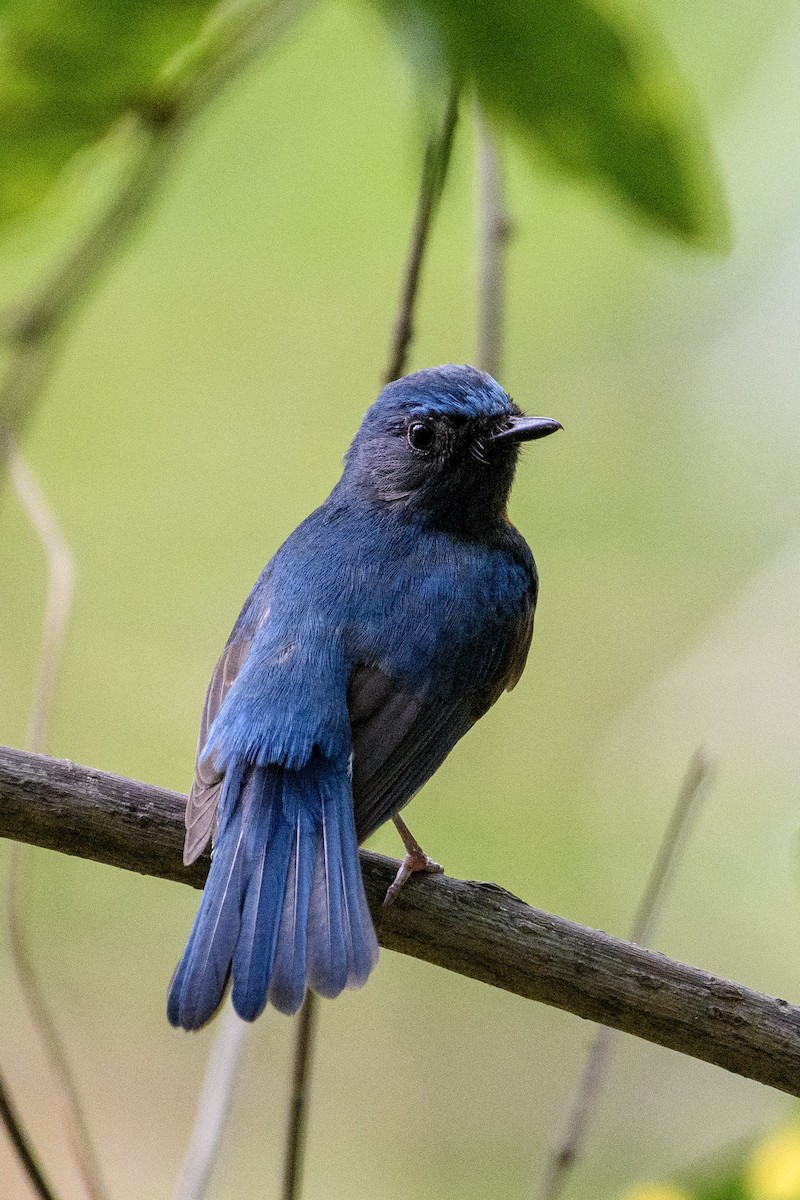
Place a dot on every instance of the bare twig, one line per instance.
(494, 230)
(563, 1159)
(215, 1099)
(60, 570)
(475, 929)
(59, 599)
(696, 781)
(434, 173)
(34, 326)
(47, 1029)
(298, 1109)
(22, 1147)
(213, 1106)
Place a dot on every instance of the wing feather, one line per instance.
(201, 807)
(399, 740)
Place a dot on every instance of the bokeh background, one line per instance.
(201, 406)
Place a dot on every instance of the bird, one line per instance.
(384, 627)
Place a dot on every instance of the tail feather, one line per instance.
(289, 970)
(284, 905)
(202, 974)
(362, 944)
(268, 852)
(345, 948)
(327, 950)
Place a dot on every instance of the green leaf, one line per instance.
(68, 71)
(723, 1189)
(606, 102)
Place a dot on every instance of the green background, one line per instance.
(201, 407)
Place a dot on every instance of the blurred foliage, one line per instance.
(770, 1171)
(655, 1191)
(604, 100)
(773, 1170)
(606, 103)
(721, 1189)
(68, 70)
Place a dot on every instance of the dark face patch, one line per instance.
(444, 468)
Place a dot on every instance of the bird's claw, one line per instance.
(412, 864)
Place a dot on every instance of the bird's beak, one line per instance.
(526, 429)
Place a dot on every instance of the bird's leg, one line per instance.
(415, 860)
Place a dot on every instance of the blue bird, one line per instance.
(389, 621)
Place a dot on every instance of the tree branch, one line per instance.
(475, 929)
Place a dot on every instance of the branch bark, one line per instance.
(475, 929)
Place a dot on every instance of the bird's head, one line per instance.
(442, 445)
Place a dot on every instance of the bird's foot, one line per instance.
(415, 860)
(411, 864)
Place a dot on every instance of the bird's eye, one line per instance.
(421, 436)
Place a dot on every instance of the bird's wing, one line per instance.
(520, 648)
(400, 740)
(201, 807)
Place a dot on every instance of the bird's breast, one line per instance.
(432, 618)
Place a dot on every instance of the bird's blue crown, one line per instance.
(450, 390)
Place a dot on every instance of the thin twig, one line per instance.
(45, 1025)
(213, 1106)
(434, 174)
(494, 231)
(34, 326)
(695, 783)
(298, 1110)
(60, 569)
(245, 40)
(22, 1146)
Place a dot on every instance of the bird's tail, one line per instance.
(283, 907)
